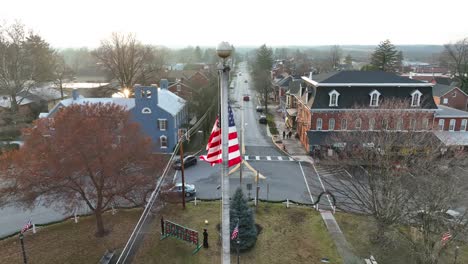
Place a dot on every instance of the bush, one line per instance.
(272, 124)
(240, 212)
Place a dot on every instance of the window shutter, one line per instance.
(159, 126)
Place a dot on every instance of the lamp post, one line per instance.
(224, 51)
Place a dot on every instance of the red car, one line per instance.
(246, 98)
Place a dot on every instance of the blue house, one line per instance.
(159, 112)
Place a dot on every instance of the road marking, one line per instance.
(257, 157)
(246, 158)
(307, 184)
(268, 158)
(280, 158)
(291, 159)
(175, 176)
(323, 186)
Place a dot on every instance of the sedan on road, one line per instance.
(246, 98)
(189, 160)
(259, 109)
(189, 189)
(262, 119)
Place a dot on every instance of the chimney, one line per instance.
(75, 94)
(163, 84)
(310, 75)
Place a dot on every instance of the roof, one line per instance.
(295, 86)
(47, 93)
(128, 103)
(452, 138)
(285, 81)
(170, 102)
(441, 89)
(83, 85)
(5, 101)
(445, 111)
(187, 74)
(368, 77)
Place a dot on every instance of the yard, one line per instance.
(293, 235)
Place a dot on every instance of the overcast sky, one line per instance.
(182, 23)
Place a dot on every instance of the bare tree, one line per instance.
(62, 72)
(457, 56)
(335, 56)
(25, 59)
(125, 57)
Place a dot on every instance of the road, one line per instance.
(284, 177)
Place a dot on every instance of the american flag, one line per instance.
(26, 227)
(446, 237)
(235, 232)
(214, 147)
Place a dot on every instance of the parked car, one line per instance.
(259, 109)
(189, 160)
(189, 189)
(246, 98)
(262, 119)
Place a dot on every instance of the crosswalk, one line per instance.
(267, 158)
(325, 171)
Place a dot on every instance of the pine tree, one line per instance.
(385, 57)
(242, 214)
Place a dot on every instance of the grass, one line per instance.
(293, 235)
(272, 124)
(68, 242)
(358, 230)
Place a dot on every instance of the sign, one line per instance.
(182, 233)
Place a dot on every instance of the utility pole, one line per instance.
(181, 149)
(21, 237)
(258, 188)
(224, 51)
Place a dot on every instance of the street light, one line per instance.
(224, 50)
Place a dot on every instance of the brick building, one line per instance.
(345, 101)
(451, 96)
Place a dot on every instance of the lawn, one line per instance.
(289, 235)
(67, 242)
(357, 230)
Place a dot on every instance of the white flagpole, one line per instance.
(34, 228)
(224, 51)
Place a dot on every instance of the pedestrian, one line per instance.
(205, 238)
(284, 134)
(289, 134)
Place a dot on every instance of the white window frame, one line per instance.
(161, 140)
(454, 94)
(412, 124)
(371, 124)
(445, 101)
(416, 103)
(358, 121)
(400, 124)
(441, 125)
(452, 124)
(425, 124)
(377, 95)
(333, 95)
(160, 124)
(463, 125)
(344, 124)
(146, 110)
(317, 126)
(331, 124)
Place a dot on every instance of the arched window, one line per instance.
(331, 124)
(146, 110)
(463, 125)
(371, 124)
(399, 124)
(319, 124)
(416, 98)
(357, 124)
(333, 98)
(163, 141)
(344, 124)
(374, 98)
(452, 125)
(441, 124)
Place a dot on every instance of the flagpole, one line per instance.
(224, 51)
(21, 237)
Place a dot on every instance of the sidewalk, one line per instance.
(291, 146)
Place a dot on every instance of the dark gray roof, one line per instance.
(441, 89)
(362, 77)
(445, 111)
(285, 81)
(294, 86)
(357, 96)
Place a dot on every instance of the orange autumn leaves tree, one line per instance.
(91, 153)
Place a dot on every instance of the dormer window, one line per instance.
(333, 98)
(146, 110)
(374, 98)
(416, 98)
